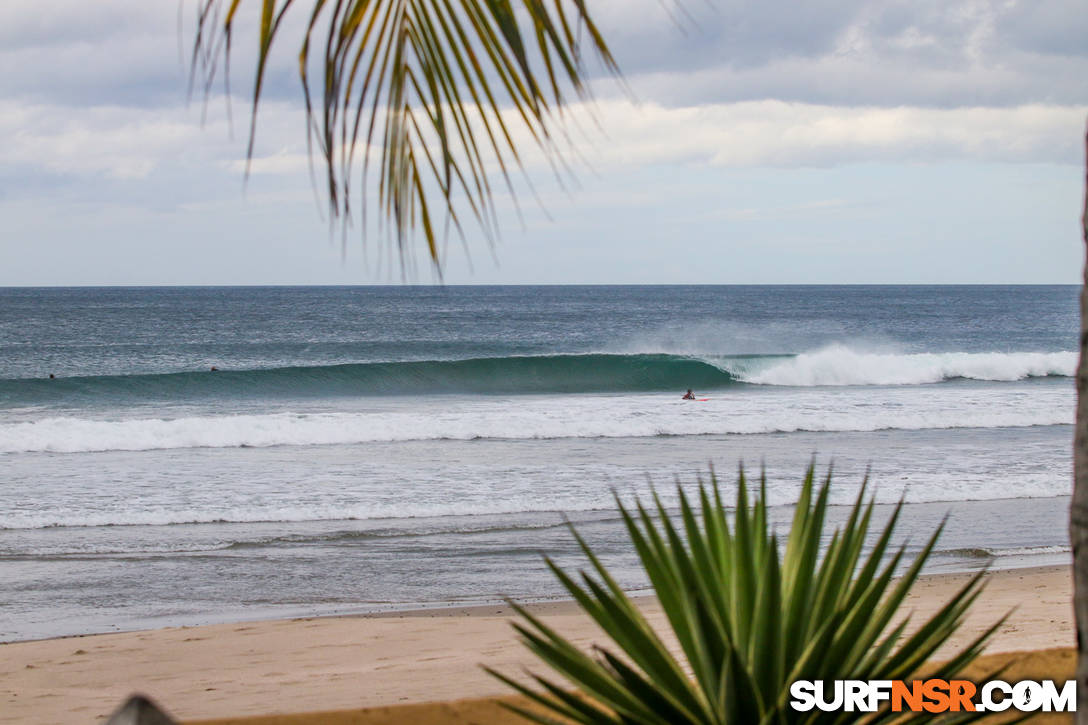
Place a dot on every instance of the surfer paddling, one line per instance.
(689, 395)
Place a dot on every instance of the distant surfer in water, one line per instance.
(689, 395)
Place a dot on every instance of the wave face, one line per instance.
(840, 365)
(575, 373)
(498, 375)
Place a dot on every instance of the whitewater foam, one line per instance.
(839, 365)
(345, 514)
(549, 417)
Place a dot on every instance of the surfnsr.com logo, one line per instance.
(933, 696)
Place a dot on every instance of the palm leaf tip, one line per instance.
(433, 92)
(746, 620)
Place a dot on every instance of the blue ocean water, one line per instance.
(372, 447)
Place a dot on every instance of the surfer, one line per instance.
(689, 395)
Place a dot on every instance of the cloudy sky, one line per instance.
(824, 141)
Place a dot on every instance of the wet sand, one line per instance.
(337, 663)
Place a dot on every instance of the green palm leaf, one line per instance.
(749, 618)
(433, 91)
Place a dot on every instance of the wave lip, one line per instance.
(839, 365)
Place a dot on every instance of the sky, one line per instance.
(772, 142)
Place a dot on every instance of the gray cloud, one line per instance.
(850, 80)
(941, 53)
(94, 92)
(887, 52)
(677, 35)
(1047, 27)
(122, 52)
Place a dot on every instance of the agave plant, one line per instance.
(749, 619)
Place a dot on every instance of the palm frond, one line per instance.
(433, 92)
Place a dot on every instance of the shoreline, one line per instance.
(442, 609)
(413, 656)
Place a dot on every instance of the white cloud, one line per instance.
(780, 134)
(118, 143)
(281, 162)
(127, 143)
(123, 142)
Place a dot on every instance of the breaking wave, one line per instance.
(582, 373)
(840, 365)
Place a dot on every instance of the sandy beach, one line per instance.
(300, 665)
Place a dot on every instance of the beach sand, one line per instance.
(339, 663)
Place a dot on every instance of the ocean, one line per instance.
(177, 456)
